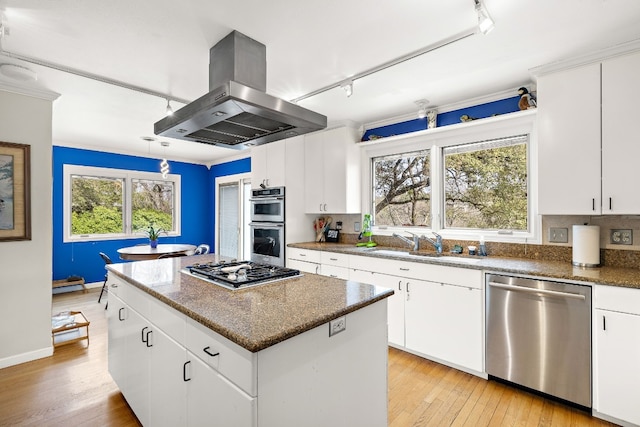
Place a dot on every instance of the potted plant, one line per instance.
(153, 234)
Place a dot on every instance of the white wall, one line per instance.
(25, 276)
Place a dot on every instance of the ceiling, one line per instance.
(163, 46)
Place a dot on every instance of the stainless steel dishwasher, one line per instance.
(538, 335)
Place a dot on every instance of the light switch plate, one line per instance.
(558, 235)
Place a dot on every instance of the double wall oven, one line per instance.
(267, 225)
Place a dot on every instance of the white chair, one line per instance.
(201, 249)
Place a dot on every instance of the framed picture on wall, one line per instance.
(15, 192)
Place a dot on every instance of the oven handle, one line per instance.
(266, 199)
(537, 291)
(266, 224)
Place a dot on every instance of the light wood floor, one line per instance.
(74, 388)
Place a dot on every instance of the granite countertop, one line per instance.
(614, 276)
(256, 317)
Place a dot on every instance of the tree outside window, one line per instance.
(485, 187)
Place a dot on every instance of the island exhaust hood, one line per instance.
(237, 112)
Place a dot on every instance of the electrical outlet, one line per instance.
(337, 325)
(621, 237)
(558, 235)
(356, 227)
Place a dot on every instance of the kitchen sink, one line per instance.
(390, 252)
(408, 254)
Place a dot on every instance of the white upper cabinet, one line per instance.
(332, 172)
(620, 139)
(588, 143)
(569, 142)
(268, 164)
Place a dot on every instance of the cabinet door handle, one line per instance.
(142, 336)
(610, 204)
(604, 323)
(317, 267)
(593, 204)
(408, 293)
(184, 371)
(399, 285)
(206, 350)
(325, 207)
(120, 318)
(320, 207)
(148, 341)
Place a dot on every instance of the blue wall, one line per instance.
(503, 106)
(81, 258)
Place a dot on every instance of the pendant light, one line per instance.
(164, 164)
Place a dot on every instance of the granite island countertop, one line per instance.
(614, 276)
(256, 317)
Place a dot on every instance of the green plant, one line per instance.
(153, 233)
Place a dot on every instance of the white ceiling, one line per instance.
(163, 46)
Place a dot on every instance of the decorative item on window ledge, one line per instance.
(164, 165)
(431, 119)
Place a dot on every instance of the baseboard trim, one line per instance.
(26, 357)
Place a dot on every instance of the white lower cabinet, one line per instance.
(208, 391)
(617, 353)
(441, 320)
(445, 322)
(163, 382)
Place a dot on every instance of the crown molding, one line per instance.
(588, 58)
(29, 91)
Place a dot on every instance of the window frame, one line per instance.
(127, 175)
(520, 123)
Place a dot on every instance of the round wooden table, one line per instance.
(142, 252)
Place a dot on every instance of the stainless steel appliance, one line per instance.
(239, 274)
(267, 204)
(237, 112)
(267, 226)
(538, 335)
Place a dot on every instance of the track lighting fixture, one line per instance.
(169, 109)
(485, 23)
(347, 86)
(422, 108)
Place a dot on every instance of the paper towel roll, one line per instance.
(586, 245)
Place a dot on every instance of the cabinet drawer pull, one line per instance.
(333, 275)
(184, 371)
(303, 254)
(114, 285)
(148, 341)
(333, 259)
(142, 333)
(206, 350)
(404, 269)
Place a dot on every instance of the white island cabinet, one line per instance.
(616, 368)
(174, 371)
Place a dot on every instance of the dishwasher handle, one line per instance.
(537, 291)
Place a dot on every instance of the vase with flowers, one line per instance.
(154, 233)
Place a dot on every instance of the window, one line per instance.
(103, 203)
(402, 190)
(485, 185)
(233, 213)
(464, 182)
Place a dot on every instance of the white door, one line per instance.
(233, 216)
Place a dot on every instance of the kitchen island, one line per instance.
(187, 352)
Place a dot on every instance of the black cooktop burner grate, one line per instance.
(240, 273)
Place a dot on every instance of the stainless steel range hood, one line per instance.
(237, 112)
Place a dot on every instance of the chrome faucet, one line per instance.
(437, 243)
(414, 243)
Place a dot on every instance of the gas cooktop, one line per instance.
(239, 274)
